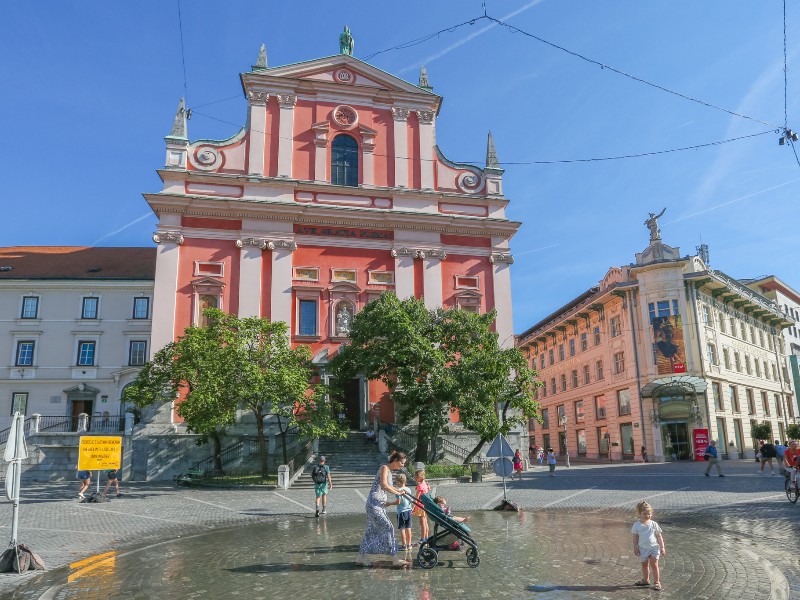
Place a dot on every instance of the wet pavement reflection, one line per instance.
(545, 554)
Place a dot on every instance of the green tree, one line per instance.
(192, 369)
(761, 431)
(793, 432)
(434, 361)
(237, 363)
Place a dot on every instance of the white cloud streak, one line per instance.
(429, 59)
(123, 228)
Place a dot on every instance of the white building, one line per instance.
(788, 299)
(74, 330)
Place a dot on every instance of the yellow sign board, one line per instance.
(97, 452)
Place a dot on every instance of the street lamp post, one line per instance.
(566, 447)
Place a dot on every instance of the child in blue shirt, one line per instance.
(403, 512)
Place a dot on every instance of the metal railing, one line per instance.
(57, 423)
(104, 423)
(7, 431)
(463, 453)
(241, 449)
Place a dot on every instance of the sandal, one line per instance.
(657, 586)
(642, 583)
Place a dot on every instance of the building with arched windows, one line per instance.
(334, 192)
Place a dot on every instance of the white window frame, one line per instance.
(79, 343)
(21, 311)
(147, 312)
(130, 353)
(96, 316)
(309, 294)
(17, 344)
(219, 274)
(459, 285)
(14, 402)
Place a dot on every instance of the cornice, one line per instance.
(311, 186)
(332, 215)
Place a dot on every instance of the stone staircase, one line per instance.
(353, 462)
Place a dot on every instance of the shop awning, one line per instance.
(667, 386)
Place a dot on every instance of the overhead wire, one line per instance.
(531, 162)
(183, 55)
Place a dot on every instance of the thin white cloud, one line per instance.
(537, 249)
(429, 59)
(769, 189)
(123, 228)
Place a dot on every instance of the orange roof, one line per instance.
(77, 262)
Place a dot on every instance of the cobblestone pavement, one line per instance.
(732, 537)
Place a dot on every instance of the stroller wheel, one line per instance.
(473, 560)
(427, 558)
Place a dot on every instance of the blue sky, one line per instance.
(90, 89)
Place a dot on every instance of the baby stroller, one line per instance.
(443, 527)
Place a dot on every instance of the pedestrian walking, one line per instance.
(780, 449)
(321, 474)
(379, 535)
(113, 479)
(648, 545)
(518, 465)
(644, 454)
(551, 461)
(768, 453)
(541, 456)
(86, 481)
(713, 458)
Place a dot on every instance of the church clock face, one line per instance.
(345, 116)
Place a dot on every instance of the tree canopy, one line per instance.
(234, 363)
(436, 361)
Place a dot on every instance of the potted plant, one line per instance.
(733, 451)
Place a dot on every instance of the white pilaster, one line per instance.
(426, 143)
(403, 273)
(400, 115)
(367, 156)
(258, 124)
(432, 282)
(250, 270)
(165, 292)
(321, 151)
(501, 284)
(281, 297)
(286, 132)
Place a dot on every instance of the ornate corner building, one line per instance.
(334, 192)
(663, 354)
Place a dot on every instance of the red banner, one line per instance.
(700, 438)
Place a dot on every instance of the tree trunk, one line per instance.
(262, 443)
(217, 452)
(423, 443)
(475, 451)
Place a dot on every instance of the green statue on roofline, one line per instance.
(346, 42)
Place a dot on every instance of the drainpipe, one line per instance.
(700, 360)
(631, 304)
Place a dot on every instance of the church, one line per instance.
(334, 192)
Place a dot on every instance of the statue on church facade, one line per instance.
(344, 316)
(346, 42)
(652, 225)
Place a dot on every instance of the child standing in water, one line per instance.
(422, 488)
(403, 512)
(648, 545)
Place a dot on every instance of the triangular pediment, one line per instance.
(328, 69)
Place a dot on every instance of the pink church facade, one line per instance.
(334, 192)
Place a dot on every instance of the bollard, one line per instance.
(283, 477)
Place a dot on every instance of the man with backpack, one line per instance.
(321, 474)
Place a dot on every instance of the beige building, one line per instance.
(74, 330)
(662, 351)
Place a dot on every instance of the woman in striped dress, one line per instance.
(379, 537)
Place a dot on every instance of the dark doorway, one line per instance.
(351, 402)
(78, 407)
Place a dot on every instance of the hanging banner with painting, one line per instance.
(669, 345)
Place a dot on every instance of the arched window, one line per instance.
(344, 161)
